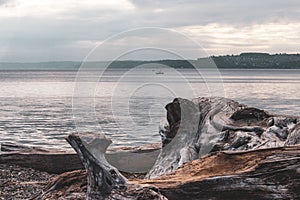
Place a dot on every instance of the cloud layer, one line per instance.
(40, 30)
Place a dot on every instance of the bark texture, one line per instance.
(272, 173)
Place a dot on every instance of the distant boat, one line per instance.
(159, 72)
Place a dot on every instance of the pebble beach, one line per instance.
(21, 183)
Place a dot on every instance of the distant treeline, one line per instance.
(258, 60)
(244, 60)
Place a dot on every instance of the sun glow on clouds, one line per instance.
(20, 8)
(269, 37)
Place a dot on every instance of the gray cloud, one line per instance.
(180, 13)
(7, 3)
(61, 36)
(3, 2)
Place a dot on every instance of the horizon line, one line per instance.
(220, 55)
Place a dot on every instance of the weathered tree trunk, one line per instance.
(249, 156)
(196, 128)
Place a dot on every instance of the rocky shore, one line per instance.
(21, 182)
(18, 183)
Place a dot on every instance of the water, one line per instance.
(36, 106)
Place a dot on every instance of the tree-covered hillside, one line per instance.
(257, 60)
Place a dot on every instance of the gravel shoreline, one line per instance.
(24, 183)
(21, 183)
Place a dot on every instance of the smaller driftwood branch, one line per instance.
(104, 180)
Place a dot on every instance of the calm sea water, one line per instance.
(36, 106)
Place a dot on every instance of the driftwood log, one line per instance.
(250, 155)
(205, 125)
(51, 161)
(56, 162)
(272, 173)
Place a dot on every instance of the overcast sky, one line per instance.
(46, 30)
